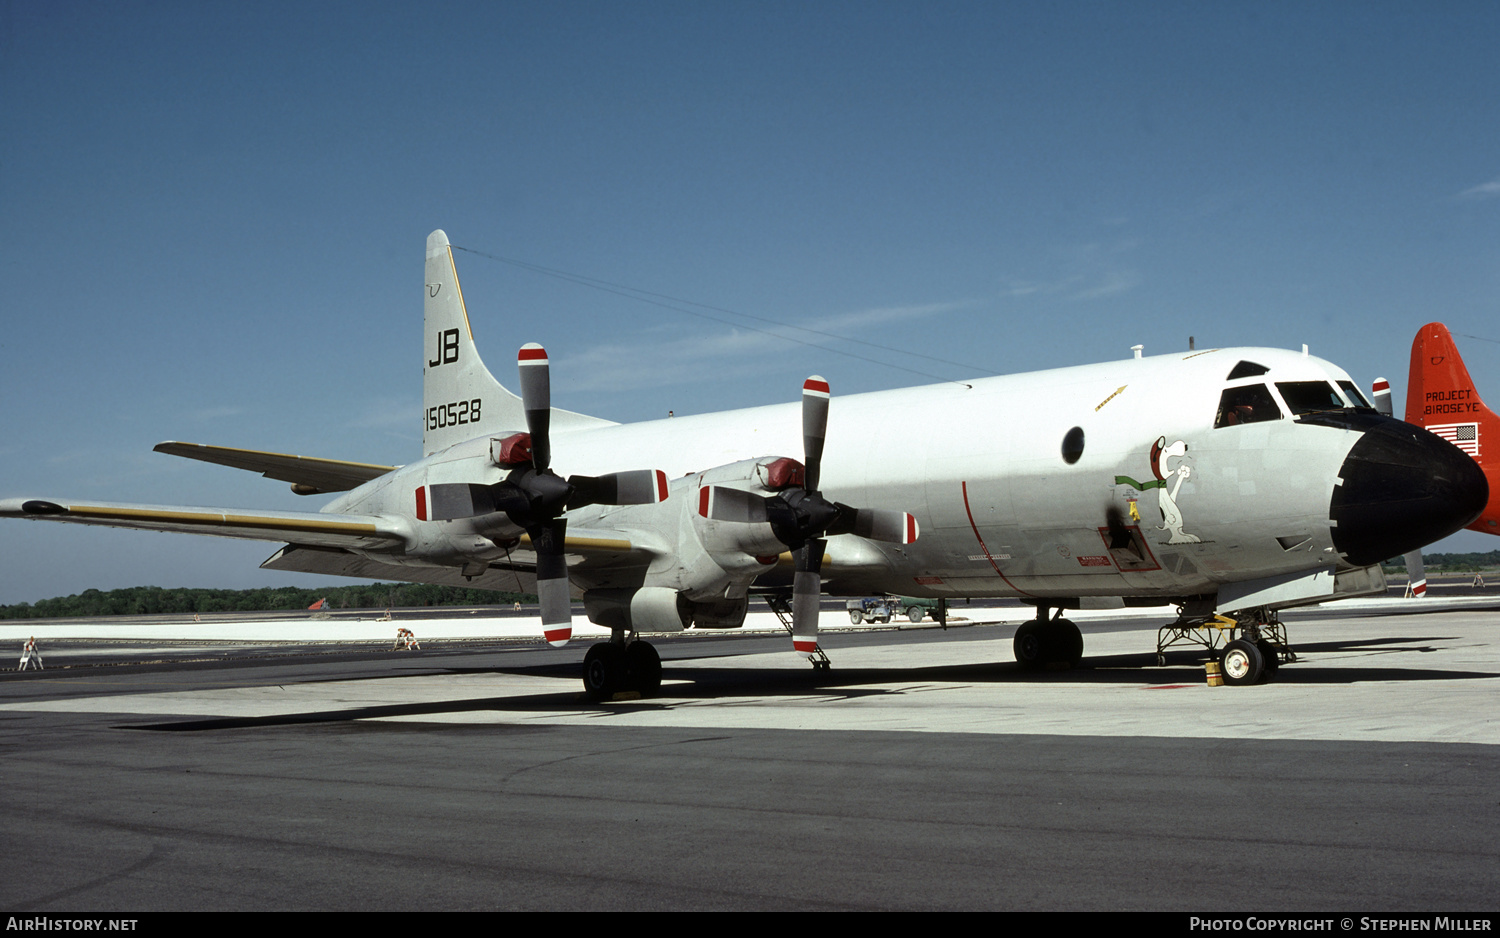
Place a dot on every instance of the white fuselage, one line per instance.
(981, 465)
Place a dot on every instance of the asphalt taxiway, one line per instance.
(924, 771)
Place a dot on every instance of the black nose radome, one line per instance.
(1403, 488)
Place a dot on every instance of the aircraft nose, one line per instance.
(1403, 488)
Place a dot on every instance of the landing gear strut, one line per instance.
(1044, 642)
(616, 667)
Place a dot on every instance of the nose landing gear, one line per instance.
(1248, 658)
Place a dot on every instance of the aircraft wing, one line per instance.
(333, 561)
(302, 527)
(594, 551)
(323, 475)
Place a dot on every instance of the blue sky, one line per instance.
(214, 214)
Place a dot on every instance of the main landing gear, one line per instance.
(1043, 642)
(1249, 658)
(616, 667)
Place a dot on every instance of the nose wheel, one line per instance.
(1242, 663)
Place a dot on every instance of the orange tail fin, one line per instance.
(1440, 397)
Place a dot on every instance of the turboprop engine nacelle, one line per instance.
(704, 578)
(660, 609)
(713, 561)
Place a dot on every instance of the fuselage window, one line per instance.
(1352, 392)
(1249, 404)
(1247, 369)
(1306, 397)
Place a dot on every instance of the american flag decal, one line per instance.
(1463, 435)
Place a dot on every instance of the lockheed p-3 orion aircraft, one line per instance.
(1230, 482)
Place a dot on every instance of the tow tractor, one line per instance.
(871, 609)
(886, 608)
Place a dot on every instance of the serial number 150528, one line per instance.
(452, 414)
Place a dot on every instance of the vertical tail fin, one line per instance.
(461, 400)
(1440, 397)
(1416, 575)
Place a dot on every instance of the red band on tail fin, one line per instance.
(1441, 397)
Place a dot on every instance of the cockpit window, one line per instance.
(1306, 397)
(1249, 404)
(1352, 392)
(1247, 369)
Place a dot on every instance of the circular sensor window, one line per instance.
(1072, 445)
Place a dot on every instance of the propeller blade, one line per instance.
(721, 503)
(452, 500)
(552, 581)
(814, 427)
(807, 593)
(1381, 391)
(637, 487)
(534, 497)
(877, 524)
(536, 400)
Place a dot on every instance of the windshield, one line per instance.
(1305, 397)
(1352, 392)
(1249, 404)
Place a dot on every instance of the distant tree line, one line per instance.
(155, 600)
(1450, 563)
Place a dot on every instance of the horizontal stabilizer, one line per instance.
(317, 475)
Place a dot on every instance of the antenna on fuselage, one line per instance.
(1137, 349)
